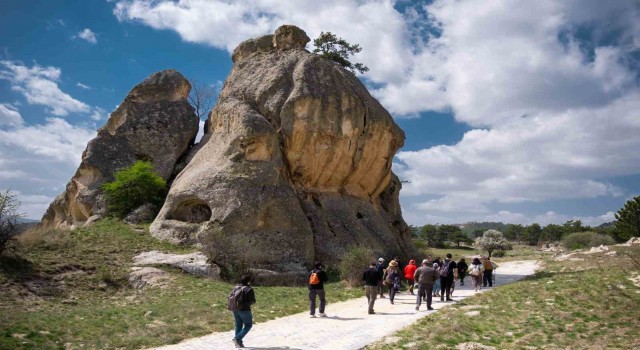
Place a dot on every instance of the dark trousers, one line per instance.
(381, 288)
(486, 278)
(392, 292)
(312, 300)
(445, 286)
(462, 274)
(424, 290)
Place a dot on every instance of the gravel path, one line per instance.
(348, 325)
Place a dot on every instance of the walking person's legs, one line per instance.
(421, 294)
(429, 291)
(462, 274)
(381, 287)
(410, 283)
(372, 292)
(323, 301)
(312, 302)
(443, 287)
(244, 322)
(392, 293)
(448, 286)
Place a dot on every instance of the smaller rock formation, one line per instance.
(154, 122)
(194, 263)
(142, 277)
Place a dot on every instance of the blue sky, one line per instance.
(514, 111)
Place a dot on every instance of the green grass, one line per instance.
(69, 291)
(586, 304)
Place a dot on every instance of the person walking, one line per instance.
(380, 269)
(371, 279)
(476, 273)
(240, 300)
(317, 279)
(487, 279)
(436, 286)
(462, 270)
(447, 276)
(425, 276)
(392, 279)
(409, 270)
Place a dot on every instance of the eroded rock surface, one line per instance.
(295, 162)
(154, 122)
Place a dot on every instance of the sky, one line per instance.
(514, 110)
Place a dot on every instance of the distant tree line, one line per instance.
(627, 225)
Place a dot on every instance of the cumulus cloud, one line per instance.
(9, 115)
(88, 36)
(37, 161)
(39, 85)
(550, 87)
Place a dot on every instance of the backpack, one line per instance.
(487, 265)
(236, 298)
(444, 270)
(314, 278)
(475, 270)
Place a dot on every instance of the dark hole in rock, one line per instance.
(396, 223)
(144, 157)
(317, 202)
(359, 215)
(192, 210)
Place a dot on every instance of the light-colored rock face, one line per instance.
(155, 122)
(296, 162)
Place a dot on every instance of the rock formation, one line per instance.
(155, 122)
(295, 164)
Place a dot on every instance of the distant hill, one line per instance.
(28, 221)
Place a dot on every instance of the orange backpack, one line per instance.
(313, 278)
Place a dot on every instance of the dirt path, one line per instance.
(348, 325)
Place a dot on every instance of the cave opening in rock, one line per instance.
(191, 210)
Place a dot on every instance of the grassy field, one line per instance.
(69, 290)
(572, 304)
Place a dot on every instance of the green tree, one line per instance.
(133, 187)
(572, 226)
(338, 50)
(428, 233)
(460, 237)
(628, 220)
(446, 233)
(477, 233)
(552, 232)
(514, 232)
(492, 240)
(533, 233)
(9, 218)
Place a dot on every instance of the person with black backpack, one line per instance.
(447, 271)
(239, 302)
(317, 279)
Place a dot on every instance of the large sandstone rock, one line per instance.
(154, 122)
(295, 163)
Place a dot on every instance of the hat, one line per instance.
(381, 259)
(393, 263)
(412, 261)
(425, 261)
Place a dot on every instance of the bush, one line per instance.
(499, 254)
(353, 263)
(9, 217)
(588, 239)
(50, 239)
(133, 187)
(234, 256)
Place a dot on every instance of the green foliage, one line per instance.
(499, 254)
(533, 233)
(353, 262)
(338, 50)
(9, 216)
(492, 240)
(552, 232)
(234, 255)
(133, 187)
(447, 233)
(628, 220)
(471, 227)
(514, 232)
(460, 237)
(428, 233)
(586, 239)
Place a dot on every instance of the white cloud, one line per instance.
(81, 85)
(88, 36)
(556, 112)
(37, 160)
(98, 114)
(39, 86)
(9, 115)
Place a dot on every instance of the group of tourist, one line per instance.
(434, 278)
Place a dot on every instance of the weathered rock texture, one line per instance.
(155, 122)
(295, 163)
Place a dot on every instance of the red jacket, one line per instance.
(409, 270)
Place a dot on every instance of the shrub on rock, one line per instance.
(134, 187)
